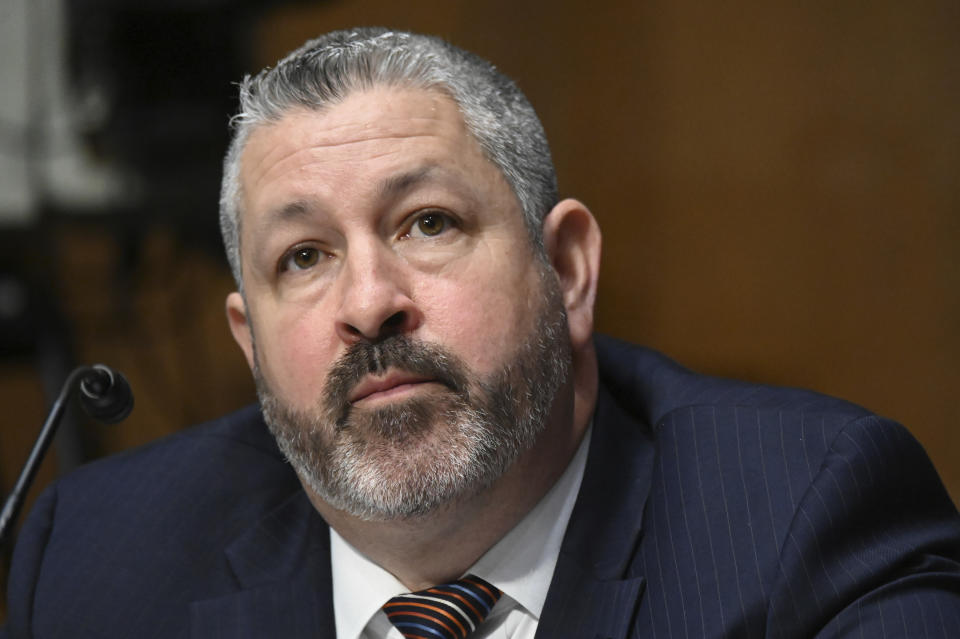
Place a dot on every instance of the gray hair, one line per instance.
(325, 70)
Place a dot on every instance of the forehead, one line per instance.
(371, 129)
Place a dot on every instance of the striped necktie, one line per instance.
(448, 611)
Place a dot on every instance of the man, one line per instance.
(416, 306)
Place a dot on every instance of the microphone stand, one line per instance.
(79, 377)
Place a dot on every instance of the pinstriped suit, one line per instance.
(708, 508)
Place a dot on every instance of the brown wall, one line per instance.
(777, 185)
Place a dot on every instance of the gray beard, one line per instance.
(408, 459)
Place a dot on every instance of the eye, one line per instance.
(429, 224)
(300, 259)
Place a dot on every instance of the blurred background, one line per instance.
(777, 184)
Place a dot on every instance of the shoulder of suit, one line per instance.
(651, 386)
(229, 455)
(145, 531)
(242, 429)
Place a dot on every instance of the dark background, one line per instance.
(777, 184)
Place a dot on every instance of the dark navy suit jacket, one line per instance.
(708, 508)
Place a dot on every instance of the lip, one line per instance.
(378, 386)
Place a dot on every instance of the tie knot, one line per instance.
(447, 611)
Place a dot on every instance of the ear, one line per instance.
(572, 239)
(240, 325)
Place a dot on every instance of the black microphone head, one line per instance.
(105, 394)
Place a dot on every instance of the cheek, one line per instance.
(481, 318)
(294, 354)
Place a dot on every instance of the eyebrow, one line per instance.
(396, 185)
(389, 188)
(291, 210)
(296, 210)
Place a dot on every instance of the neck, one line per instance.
(441, 546)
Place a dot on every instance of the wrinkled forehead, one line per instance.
(368, 128)
(345, 130)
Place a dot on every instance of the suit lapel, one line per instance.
(283, 567)
(596, 587)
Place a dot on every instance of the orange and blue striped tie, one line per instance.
(448, 611)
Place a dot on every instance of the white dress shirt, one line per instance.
(520, 564)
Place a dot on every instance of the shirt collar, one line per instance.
(521, 564)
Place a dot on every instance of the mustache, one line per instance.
(399, 352)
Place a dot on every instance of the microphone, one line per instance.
(105, 396)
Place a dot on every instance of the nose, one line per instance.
(375, 300)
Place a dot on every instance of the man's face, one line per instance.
(409, 344)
